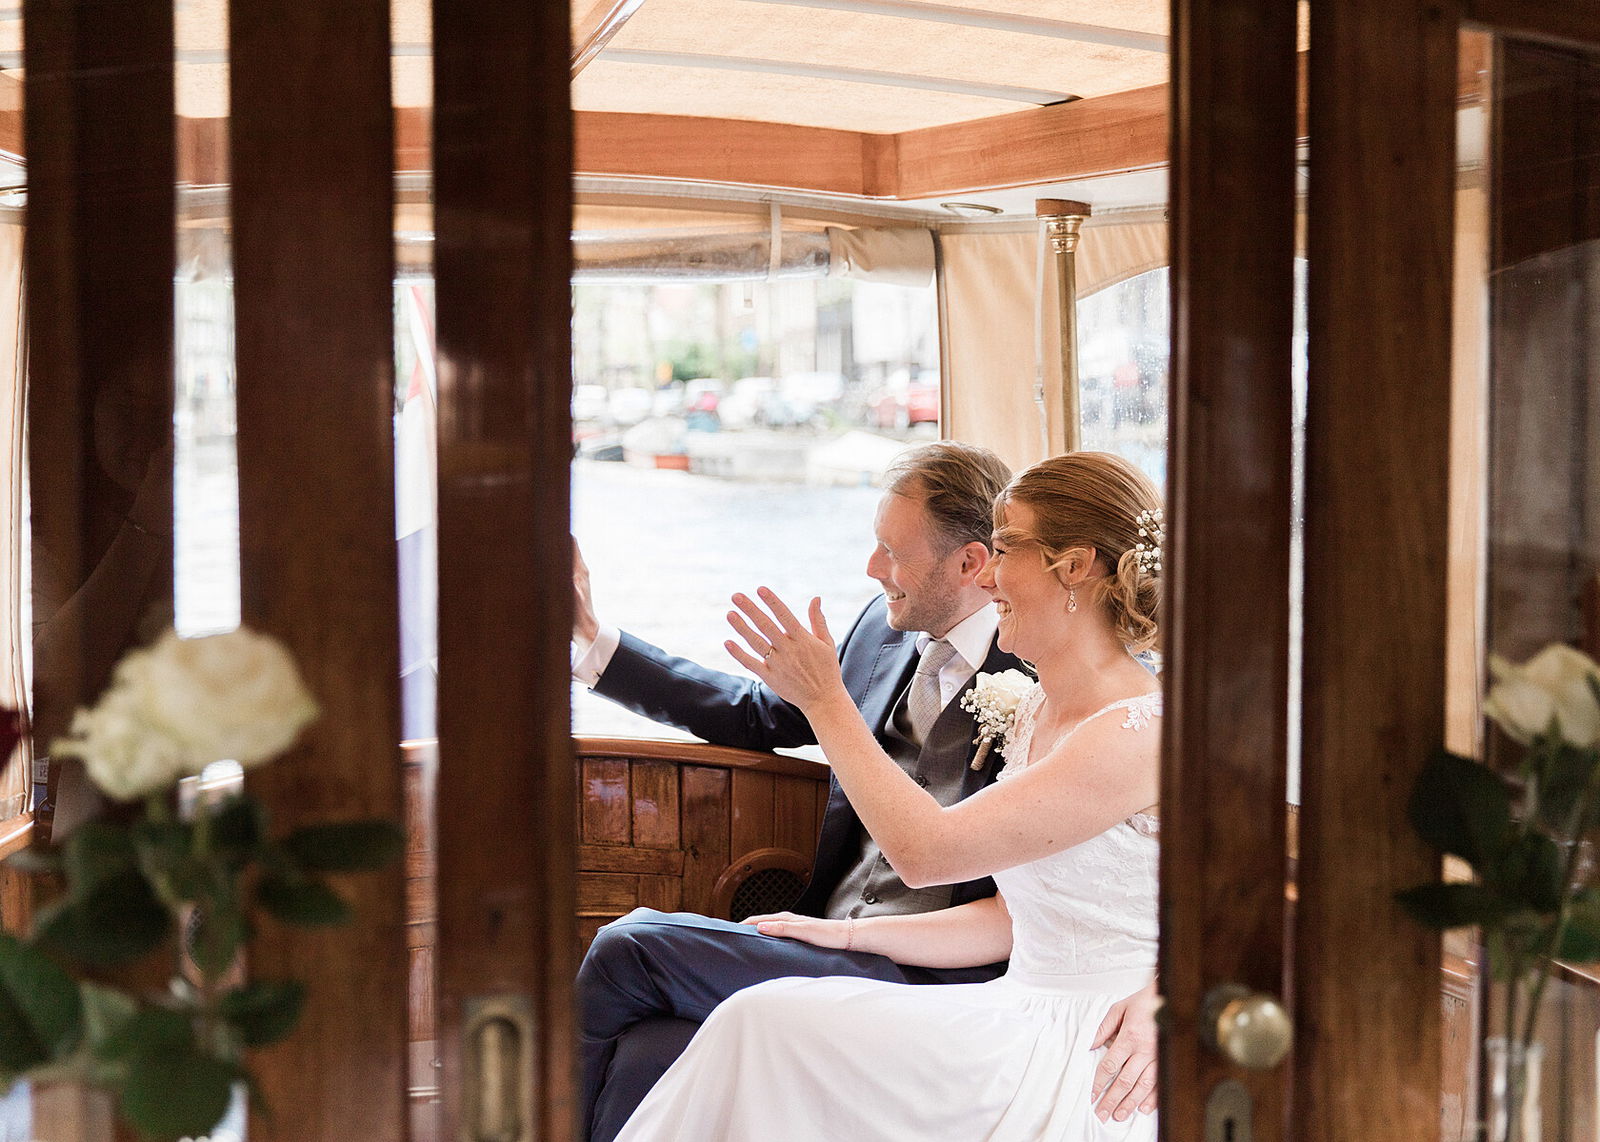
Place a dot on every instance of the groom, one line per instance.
(650, 978)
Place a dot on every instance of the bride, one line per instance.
(1068, 832)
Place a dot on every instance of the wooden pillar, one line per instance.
(1227, 604)
(98, 128)
(312, 147)
(507, 929)
(1380, 244)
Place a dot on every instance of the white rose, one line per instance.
(124, 755)
(182, 704)
(1002, 692)
(1553, 684)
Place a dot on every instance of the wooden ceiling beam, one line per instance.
(739, 151)
(1111, 134)
(1108, 134)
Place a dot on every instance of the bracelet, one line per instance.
(850, 934)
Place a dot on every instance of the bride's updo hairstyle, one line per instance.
(1098, 500)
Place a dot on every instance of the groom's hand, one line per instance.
(1125, 1080)
(585, 626)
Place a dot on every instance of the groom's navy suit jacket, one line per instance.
(877, 663)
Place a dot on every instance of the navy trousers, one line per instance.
(651, 978)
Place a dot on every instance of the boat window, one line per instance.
(1124, 353)
(729, 436)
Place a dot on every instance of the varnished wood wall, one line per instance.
(671, 826)
(657, 833)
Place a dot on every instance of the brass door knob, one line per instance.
(1247, 1027)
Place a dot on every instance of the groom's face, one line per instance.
(915, 565)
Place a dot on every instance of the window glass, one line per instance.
(1124, 355)
(730, 436)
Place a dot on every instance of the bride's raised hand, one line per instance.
(796, 660)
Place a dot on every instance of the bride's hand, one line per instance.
(811, 930)
(801, 665)
(1125, 1080)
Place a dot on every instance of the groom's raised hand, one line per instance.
(585, 626)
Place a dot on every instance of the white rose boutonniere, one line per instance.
(993, 701)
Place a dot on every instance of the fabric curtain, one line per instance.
(15, 634)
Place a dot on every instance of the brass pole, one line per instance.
(1062, 219)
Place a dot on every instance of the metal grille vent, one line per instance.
(765, 890)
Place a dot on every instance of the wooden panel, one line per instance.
(1106, 135)
(722, 151)
(795, 820)
(606, 894)
(705, 833)
(750, 825)
(699, 753)
(1223, 845)
(1568, 21)
(99, 264)
(1367, 1063)
(502, 195)
(618, 858)
(313, 266)
(655, 804)
(607, 805)
(661, 892)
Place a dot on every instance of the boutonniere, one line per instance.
(993, 700)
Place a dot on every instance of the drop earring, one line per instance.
(1072, 600)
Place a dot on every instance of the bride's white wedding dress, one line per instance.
(853, 1060)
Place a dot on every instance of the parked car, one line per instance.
(629, 406)
(589, 402)
(702, 394)
(906, 404)
(742, 407)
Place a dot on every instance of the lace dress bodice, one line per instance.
(1090, 908)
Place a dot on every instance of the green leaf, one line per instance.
(105, 1011)
(348, 846)
(96, 852)
(148, 1030)
(1453, 905)
(1461, 807)
(238, 827)
(264, 1011)
(1530, 873)
(120, 920)
(215, 935)
(1580, 942)
(44, 997)
(1564, 775)
(20, 1047)
(301, 900)
(170, 1094)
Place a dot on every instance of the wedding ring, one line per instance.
(770, 649)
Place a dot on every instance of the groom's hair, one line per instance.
(958, 484)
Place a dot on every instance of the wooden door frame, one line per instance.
(1227, 609)
(506, 796)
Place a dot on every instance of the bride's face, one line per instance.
(1031, 600)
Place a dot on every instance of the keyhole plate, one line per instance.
(1229, 1113)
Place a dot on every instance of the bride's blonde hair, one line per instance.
(1097, 500)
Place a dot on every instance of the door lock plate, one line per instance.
(1230, 1113)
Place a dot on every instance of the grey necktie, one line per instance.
(923, 699)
